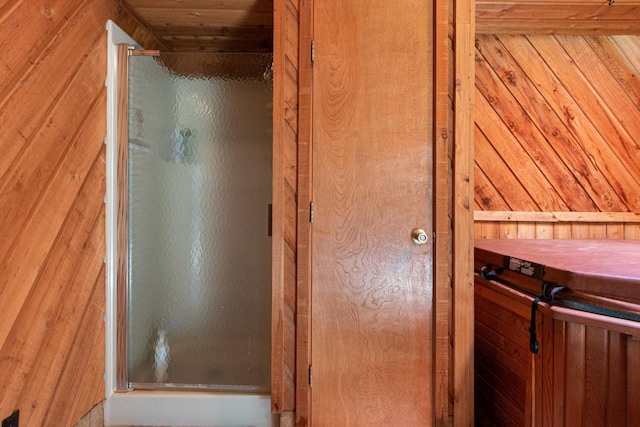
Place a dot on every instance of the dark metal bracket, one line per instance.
(550, 299)
(490, 271)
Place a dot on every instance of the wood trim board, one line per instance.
(122, 280)
(587, 217)
(305, 194)
(463, 295)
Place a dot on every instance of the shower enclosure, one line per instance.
(198, 246)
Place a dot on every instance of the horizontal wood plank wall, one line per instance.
(285, 188)
(502, 359)
(558, 16)
(52, 186)
(557, 136)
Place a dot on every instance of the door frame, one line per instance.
(453, 187)
(159, 408)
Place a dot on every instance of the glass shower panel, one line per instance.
(200, 172)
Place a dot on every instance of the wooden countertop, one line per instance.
(605, 267)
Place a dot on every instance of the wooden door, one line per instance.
(372, 185)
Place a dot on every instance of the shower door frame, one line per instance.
(125, 286)
(123, 405)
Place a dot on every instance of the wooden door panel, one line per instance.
(372, 167)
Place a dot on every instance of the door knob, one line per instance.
(419, 236)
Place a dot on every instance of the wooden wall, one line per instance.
(285, 232)
(52, 186)
(557, 136)
(443, 214)
(462, 76)
(557, 16)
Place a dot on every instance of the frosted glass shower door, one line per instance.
(200, 173)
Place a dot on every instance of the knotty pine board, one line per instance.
(52, 185)
(557, 127)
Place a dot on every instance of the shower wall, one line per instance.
(200, 173)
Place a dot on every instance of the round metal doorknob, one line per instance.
(419, 236)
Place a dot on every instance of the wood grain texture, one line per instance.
(278, 215)
(122, 219)
(305, 195)
(442, 137)
(285, 187)
(561, 230)
(212, 26)
(52, 128)
(557, 135)
(502, 359)
(463, 155)
(583, 374)
(372, 311)
(564, 17)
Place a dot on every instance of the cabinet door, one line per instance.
(372, 285)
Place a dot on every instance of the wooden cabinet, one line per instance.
(586, 369)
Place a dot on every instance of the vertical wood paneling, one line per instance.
(544, 363)
(52, 128)
(616, 392)
(596, 364)
(583, 375)
(559, 372)
(305, 194)
(442, 141)
(463, 125)
(633, 381)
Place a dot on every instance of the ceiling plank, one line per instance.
(158, 17)
(253, 5)
(220, 43)
(196, 31)
(210, 25)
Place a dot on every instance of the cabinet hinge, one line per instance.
(310, 376)
(313, 51)
(311, 212)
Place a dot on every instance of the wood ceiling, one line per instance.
(209, 25)
(247, 25)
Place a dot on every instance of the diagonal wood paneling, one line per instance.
(557, 129)
(285, 200)
(52, 185)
